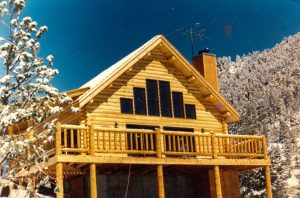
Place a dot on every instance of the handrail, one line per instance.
(122, 130)
(239, 136)
(94, 140)
(183, 133)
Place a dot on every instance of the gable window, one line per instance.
(126, 105)
(178, 108)
(139, 101)
(152, 97)
(190, 111)
(165, 98)
(157, 99)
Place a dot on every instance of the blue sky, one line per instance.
(86, 37)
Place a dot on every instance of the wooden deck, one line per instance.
(89, 144)
(77, 146)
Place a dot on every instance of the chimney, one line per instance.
(206, 64)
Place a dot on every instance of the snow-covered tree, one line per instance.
(264, 87)
(26, 92)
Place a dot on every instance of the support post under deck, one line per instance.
(160, 181)
(268, 182)
(218, 181)
(59, 180)
(93, 182)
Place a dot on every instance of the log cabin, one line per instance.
(153, 125)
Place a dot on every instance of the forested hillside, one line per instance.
(265, 88)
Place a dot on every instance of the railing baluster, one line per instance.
(169, 143)
(152, 142)
(84, 139)
(191, 143)
(249, 145)
(98, 139)
(109, 141)
(115, 141)
(104, 141)
(131, 141)
(165, 142)
(174, 143)
(147, 143)
(182, 142)
(178, 143)
(136, 141)
(187, 144)
(72, 138)
(142, 141)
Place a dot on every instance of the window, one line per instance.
(152, 97)
(178, 104)
(139, 101)
(190, 111)
(126, 105)
(165, 99)
(168, 128)
(137, 126)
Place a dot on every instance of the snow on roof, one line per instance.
(106, 74)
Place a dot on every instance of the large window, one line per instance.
(152, 97)
(139, 101)
(178, 104)
(165, 98)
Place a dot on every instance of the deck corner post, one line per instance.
(218, 182)
(93, 172)
(268, 182)
(59, 180)
(265, 150)
(158, 143)
(93, 180)
(58, 139)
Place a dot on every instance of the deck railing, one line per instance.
(71, 139)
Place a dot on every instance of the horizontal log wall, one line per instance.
(105, 108)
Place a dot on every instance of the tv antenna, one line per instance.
(193, 33)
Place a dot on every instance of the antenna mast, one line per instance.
(193, 33)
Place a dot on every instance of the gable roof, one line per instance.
(105, 78)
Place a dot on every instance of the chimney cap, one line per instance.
(205, 50)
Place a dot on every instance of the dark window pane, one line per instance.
(178, 104)
(126, 105)
(190, 111)
(139, 101)
(152, 97)
(136, 126)
(165, 98)
(179, 129)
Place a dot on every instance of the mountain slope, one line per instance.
(265, 88)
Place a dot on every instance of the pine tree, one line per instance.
(26, 92)
(264, 87)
